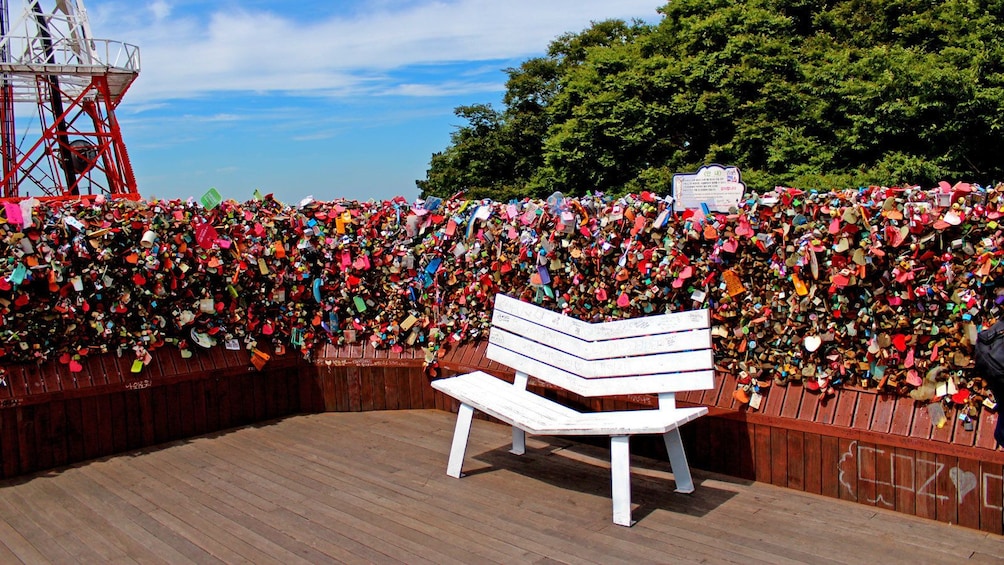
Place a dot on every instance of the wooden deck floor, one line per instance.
(371, 487)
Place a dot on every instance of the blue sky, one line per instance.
(323, 98)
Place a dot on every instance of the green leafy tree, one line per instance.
(810, 93)
(497, 154)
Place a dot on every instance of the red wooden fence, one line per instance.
(856, 446)
(51, 417)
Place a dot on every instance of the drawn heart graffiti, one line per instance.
(964, 481)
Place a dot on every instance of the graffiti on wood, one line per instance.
(139, 385)
(903, 473)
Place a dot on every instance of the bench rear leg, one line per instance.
(678, 461)
(460, 435)
(518, 435)
(620, 478)
(518, 441)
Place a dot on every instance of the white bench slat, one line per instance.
(648, 325)
(630, 422)
(610, 386)
(661, 354)
(537, 415)
(667, 342)
(501, 400)
(680, 361)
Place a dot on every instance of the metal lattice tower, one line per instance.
(59, 88)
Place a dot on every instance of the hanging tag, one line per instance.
(408, 322)
(733, 284)
(661, 220)
(259, 358)
(800, 288)
(73, 223)
(19, 274)
(545, 277)
(14, 216)
(211, 199)
(937, 413)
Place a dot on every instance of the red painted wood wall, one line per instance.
(50, 417)
(856, 446)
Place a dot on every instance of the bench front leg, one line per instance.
(460, 435)
(678, 461)
(620, 478)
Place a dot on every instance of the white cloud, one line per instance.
(160, 10)
(187, 54)
(223, 118)
(442, 89)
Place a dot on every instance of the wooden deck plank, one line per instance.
(88, 501)
(342, 490)
(45, 543)
(270, 481)
(223, 510)
(372, 487)
(16, 547)
(47, 506)
(550, 523)
(545, 515)
(265, 518)
(191, 517)
(120, 495)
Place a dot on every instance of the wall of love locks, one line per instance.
(876, 287)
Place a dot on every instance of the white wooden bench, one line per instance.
(661, 354)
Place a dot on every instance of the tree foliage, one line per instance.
(810, 93)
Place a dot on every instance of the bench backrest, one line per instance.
(655, 354)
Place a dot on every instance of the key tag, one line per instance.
(937, 414)
(259, 358)
(408, 322)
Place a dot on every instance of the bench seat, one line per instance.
(537, 415)
(659, 355)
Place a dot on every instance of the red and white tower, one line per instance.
(59, 87)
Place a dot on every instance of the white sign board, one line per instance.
(720, 188)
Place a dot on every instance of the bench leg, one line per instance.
(620, 478)
(518, 441)
(678, 461)
(460, 434)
